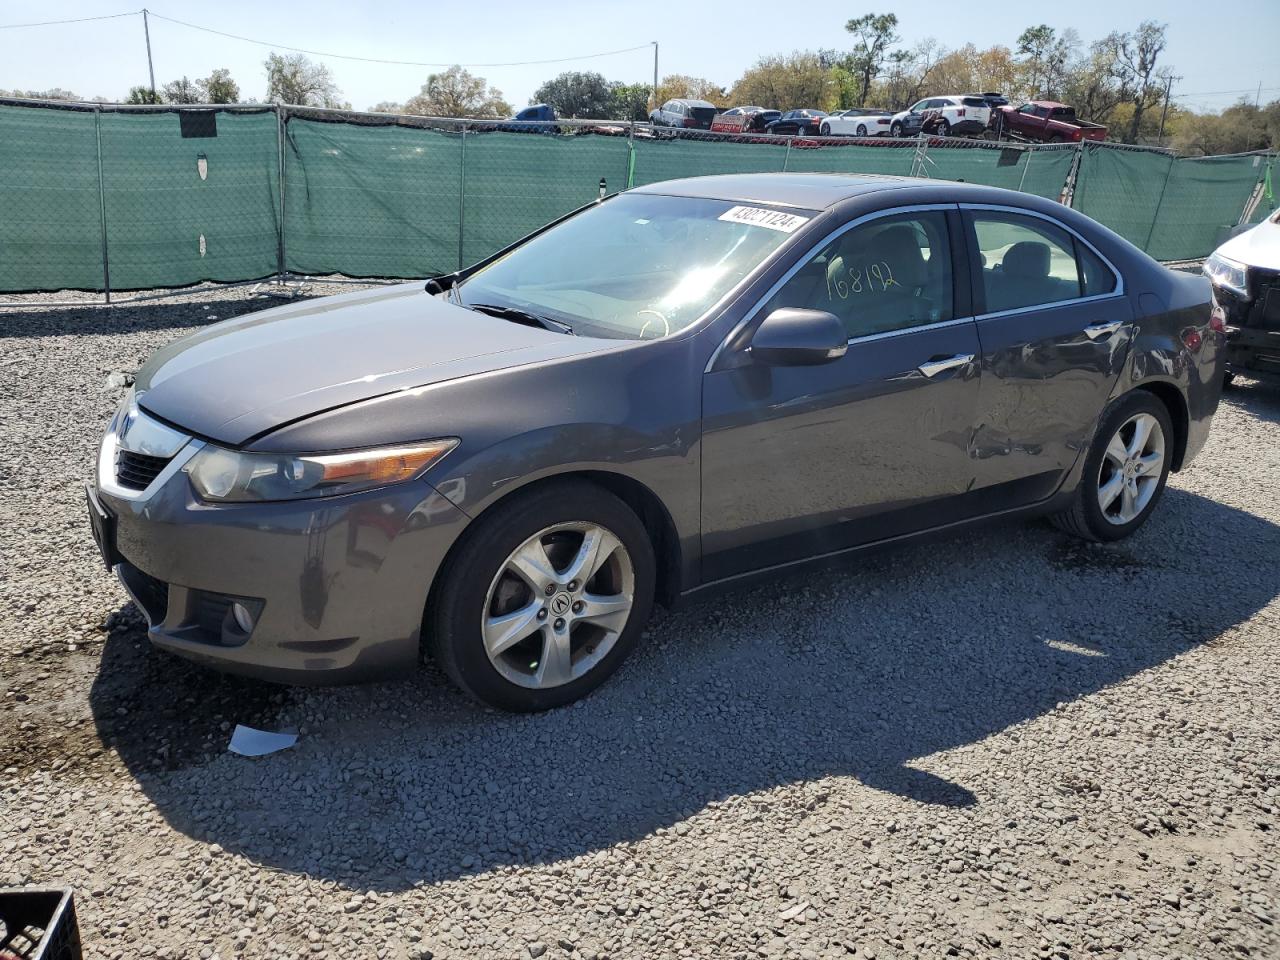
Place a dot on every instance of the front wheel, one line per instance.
(944, 128)
(1125, 470)
(895, 129)
(825, 130)
(862, 130)
(547, 595)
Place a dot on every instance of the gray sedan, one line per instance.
(684, 386)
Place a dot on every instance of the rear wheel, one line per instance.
(1125, 470)
(944, 128)
(545, 599)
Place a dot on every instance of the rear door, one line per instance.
(1055, 328)
(802, 461)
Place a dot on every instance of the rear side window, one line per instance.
(1028, 262)
(974, 102)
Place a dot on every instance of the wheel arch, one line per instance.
(1173, 400)
(646, 504)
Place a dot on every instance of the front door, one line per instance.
(802, 461)
(1055, 328)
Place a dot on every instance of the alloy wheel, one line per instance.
(1131, 469)
(558, 605)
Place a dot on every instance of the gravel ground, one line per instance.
(1001, 745)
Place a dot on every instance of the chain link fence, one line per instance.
(109, 198)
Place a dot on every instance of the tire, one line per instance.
(862, 130)
(479, 588)
(825, 130)
(944, 128)
(1086, 517)
(895, 129)
(1057, 138)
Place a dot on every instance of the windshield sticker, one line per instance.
(762, 217)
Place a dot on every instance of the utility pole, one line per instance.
(655, 75)
(146, 29)
(1257, 97)
(1168, 85)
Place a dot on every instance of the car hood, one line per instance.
(240, 379)
(1259, 247)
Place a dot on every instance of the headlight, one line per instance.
(1227, 274)
(224, 476)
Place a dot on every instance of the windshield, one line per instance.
(637, 266)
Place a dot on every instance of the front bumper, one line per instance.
(339, 584)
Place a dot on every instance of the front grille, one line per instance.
(137, 470)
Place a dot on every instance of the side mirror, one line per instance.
(792, 337)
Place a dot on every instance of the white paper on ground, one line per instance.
(249, 742)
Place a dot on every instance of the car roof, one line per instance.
(814, 191)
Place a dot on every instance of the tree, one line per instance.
(387, 106)
(1091, 86)
(295, 79)
(1135, 63)
(575, 94)
(142, 94)
(456, 93)
(1044, 57)
(787, 82)
(53, 93)
(630, 101)
(874, 34)
(679, 86)
(218, 87)
(182, 91)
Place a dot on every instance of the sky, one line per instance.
(1219, 58)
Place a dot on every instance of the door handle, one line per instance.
(931, 368)
(1096, 331)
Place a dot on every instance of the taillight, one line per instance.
(690, 122)
(1218, 319)
(1191, 339)
(1077, 134)
(960, 112)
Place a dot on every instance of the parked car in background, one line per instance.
(680, 386)
(1245, 273)
(797, 122)
(952, 116)
(744, 120)
(537, 118)
(993, 100)
(692, 114)
(1044, 121)
(856, 122)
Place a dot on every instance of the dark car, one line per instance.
(744, 120)
(1245, 272)
(690, 114)
(797, 123)
(683, 386)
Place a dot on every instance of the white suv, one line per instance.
(959, 116)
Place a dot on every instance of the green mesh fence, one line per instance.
(1041, 171)
(196, 194)
(516, 182)
(185, 205)
(371, 201)
(1122, 189)
(811, 156)
(50, 211)
(1269, 201)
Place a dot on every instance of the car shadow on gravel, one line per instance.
(866, 671)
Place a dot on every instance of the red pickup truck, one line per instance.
(1044, 121)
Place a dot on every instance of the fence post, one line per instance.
(1068, 196)
(1031, 152)
(102, 206)
(280, 251)
(918, 161)
(462, 191)
(1155, 216)
(631, 156)
(786, 157)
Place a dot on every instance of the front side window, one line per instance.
(892, 273)
(1028, 262)
(637, 266)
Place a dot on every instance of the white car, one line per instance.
(857, 122)
(958, 116)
